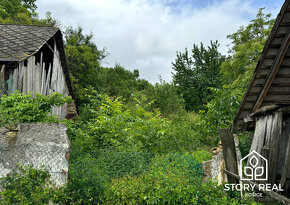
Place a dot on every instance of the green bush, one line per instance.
(220, 113)
(174, 178)
(202, 155)
(118, 164)
(165, 97)
(107, 122)
(182, 138)
(87, 181)
(213, 194)
(170, 179)
(17, 107)
(28, 186)
(245, 143)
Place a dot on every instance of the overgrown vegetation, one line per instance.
(19, 108)
(27, 185)
(134, 142)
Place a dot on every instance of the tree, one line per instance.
(84, 61)
(22, 12)
(246, 46)
(165, 97)
(122, 82)
(195, 73)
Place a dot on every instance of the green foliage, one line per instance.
(221, 111)
(119, 141)
(196, 72)
(22, 12)
(213, 194)
(202, 155)
(165, 97)
(84, 58)
(247, 44)
(29, 186)
(111, 124)
(108, 122)
(19, 108)
(119, 163)
(123, 83)
(244, 143)
(90, 174)
(183, 136)
(87, 181)
(171, 179)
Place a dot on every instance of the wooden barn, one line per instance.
(32, 60)
(265, 108)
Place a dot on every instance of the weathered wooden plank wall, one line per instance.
(272, 140)
(34, 78)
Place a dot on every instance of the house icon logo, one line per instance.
(256, 168)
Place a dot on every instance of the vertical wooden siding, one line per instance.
(34, 78)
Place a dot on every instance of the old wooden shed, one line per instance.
(265, 108)
(32, 60)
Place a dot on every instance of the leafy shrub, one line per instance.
(182, 138)
(18, 107)
(202, 155)
(29, 186)
(220, 113)
(87, 181)
(170, 179)
(107, 122)
(244, 143)
(118, 164)
(213, 194)
(165, 97)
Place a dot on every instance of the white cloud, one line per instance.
(146, 34)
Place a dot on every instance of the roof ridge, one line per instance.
(29, 25)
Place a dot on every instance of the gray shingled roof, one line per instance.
(18, 42)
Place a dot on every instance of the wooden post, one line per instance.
(274, 146)
(229, 152)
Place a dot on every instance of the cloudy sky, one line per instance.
(145, 34)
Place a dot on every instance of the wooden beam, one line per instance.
(274, 146)
(274, 69)
(272, 194)
(229, 152)
(259, 135)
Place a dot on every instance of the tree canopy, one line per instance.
(245, 48)
(22, 12)
(195, 72)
